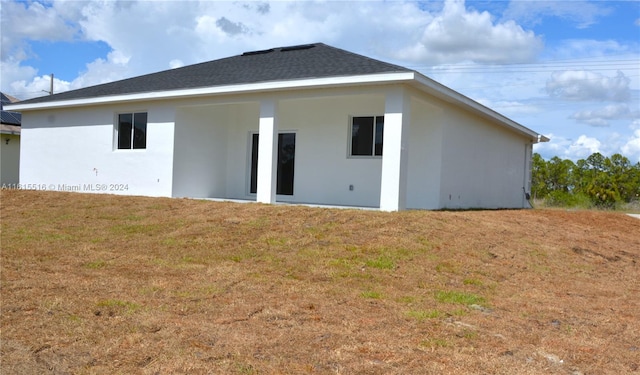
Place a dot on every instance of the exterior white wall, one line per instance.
(73, 150)
(9, 159)
(483, 164)
(528, 171)
(200, 156)
(425, 155)
(243, 122)
(212, 150)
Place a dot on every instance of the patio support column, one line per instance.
(393, 184)
(267, 152)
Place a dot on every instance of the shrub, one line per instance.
(564, 199)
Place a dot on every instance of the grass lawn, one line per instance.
(102, 284)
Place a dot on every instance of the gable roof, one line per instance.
(277, 64)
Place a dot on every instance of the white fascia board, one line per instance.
(309, 83)
(443, 92)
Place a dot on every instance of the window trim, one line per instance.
(373, 145)
(116, 130)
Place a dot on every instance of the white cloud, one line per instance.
(23, 79)
(30, 20)
(12, 71)
(587, 85)
(45, 23)
(567, 148)
(147, 36)
(556, 146)
(459, 34)
(631, 149)
(583, 147)
(39, 85)
(102, 71)
(601, 117)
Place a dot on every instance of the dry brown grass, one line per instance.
(99, 284)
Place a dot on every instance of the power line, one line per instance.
(506, 70)
(529, 83)
(544, 66)
(517, 71)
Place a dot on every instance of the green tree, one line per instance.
(581, 176)
(603, 191)
(608, 181)
(596, 162)
(623, 175)
(597, 180)
(560, 175)
(539, 177)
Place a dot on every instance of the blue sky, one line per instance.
(568, 69)
(65, 59)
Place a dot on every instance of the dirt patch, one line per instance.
(110, 284)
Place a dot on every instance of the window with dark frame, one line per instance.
(132, 131)
(367, 133)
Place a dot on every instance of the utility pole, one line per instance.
(50, 86)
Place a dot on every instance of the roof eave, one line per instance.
(9, 129)
(391, 77)
(542, 138)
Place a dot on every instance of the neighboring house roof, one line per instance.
(9, 121)
(304, 66)
(9, 129)
(7, 98)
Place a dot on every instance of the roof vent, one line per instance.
(262, 52)
(297, 48)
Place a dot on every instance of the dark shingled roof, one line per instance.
(8, 117)
(277, 64)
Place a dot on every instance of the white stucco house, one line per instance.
(304, 124)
